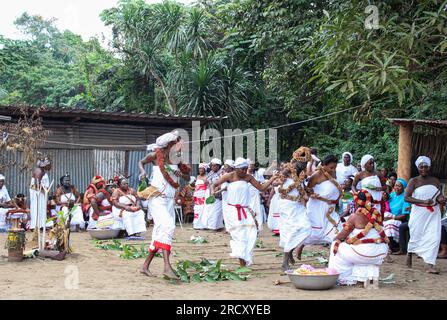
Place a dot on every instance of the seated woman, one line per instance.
(5, 202)
(68, 200)
(360, 248)
(19, 211)
(398, 213)
(126, 208)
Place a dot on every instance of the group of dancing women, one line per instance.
(306, 201)
(303, 207)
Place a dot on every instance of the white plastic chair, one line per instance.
(179, 212)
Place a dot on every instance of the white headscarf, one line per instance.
(216, 161)
(365, 159)
(423, 159)
(42, 163)
(151, 147)
(164, 140)
(241, 163)
(192, 179)
(2, 177)
(229, 163)
(347, 153)
(203, 165)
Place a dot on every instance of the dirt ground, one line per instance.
(104, 275)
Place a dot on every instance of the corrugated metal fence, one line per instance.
(81, 164)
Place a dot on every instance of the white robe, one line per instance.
(323, 231)
(243, 232)
(425, 226)
(37, 197)
(376, 195)
(162, 210)
(295, 225)
(256, 205)
(4, 197)
(77, 215)
(343, 172)
(199, 204)
(359, 262)
(212, 215)
(133, 222)
(274, 218)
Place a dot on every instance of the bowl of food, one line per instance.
(309, 278)
(103, 234)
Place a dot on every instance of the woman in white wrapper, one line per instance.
(255, 196)
(295, 225)
(274, 217)
(212, 216)
(5, 202)
(424, 193)
(368, 179)
(161, 202)
(126, 208)
(199, 197)
(241, 220)
(38, 201)
(361, 247)
(324, 195)
(228, 168)
(68, 199)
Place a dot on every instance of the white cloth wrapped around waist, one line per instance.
(133, 222)
(425, 225)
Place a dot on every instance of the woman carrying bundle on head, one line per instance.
(241, 220)
(295, 225)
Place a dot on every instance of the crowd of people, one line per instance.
(362, 213)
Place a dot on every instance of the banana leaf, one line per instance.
(142, 186)
(210, 200)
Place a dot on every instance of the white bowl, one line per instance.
(104, 234)
(312, 282)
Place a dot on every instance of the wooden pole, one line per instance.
(405, 151)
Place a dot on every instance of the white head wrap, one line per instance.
(229, 163)
(240, 163)
(2, 177)
(164, 140)
(349, 154)
(203, 165)
(365, 159)
(42, 163)
(151, 147)
(216, 161)
(423, 159)
(192, 179)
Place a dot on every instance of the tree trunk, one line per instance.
(171, 101)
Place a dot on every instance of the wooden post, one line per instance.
(405, 151)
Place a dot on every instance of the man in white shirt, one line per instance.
(345, 168)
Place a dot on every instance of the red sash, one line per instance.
(240, 211)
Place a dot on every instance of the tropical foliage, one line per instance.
(262, 63)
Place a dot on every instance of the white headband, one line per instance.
(423, 159)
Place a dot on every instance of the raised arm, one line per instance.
(150, 157)
(265, 185)
(225, 178)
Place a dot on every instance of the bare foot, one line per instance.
(146, 273)
(299, 251)
(171, 274)
(432, 270)
(442, 255)
(291, 260)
